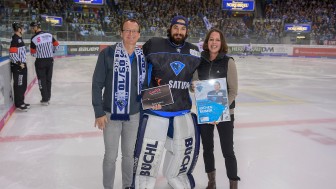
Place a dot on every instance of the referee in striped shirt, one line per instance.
(17, 54)
(43, 46)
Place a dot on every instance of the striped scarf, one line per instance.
(121, 83)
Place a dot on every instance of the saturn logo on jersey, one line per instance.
(177, 67)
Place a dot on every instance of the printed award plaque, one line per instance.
(156, 95)
(212, 101)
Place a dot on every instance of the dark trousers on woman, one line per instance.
(19, 83)
(44, 71)
(225, 131)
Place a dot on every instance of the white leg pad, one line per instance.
(180, 153)
(152, 150)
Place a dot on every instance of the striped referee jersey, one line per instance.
(17, 50)
(43, 45)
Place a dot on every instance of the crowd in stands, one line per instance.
(321, 14)
(155, 16)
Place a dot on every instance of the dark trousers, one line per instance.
(44, 71)
(225, 131)
(19, 83)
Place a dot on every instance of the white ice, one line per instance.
(285, 135)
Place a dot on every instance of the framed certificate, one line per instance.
(156, 95)
(212, 101)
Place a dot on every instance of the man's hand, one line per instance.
(101, 122)
(156, 107)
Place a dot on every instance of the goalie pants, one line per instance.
(225, 132)
(181, 155)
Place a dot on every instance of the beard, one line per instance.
(177, 39)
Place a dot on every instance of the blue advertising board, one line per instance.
(90, 2)
(298, 28)
(53, 20)
(241, 5)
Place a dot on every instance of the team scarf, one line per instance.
(121, 82)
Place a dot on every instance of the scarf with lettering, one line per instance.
(121, 82)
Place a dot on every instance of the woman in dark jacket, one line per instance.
(215, 64)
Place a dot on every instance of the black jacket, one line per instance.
(216, 68)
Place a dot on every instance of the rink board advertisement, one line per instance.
(212, 101)
(83, 49)
(329, 42)
(313, 52)
(279, 50)
(240, 50)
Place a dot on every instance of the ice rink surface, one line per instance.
(285, 135)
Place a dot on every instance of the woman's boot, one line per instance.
(212, 180)
(233, 184)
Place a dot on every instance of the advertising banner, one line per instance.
(313, 52)
(298, 28)
(90, 2)
(329, 42)
(240, 50)
(238, 5)
(83, 49)
(275, 50)
(53, 20)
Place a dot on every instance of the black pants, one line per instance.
(44, 71)
(19, 83)
(225, 131)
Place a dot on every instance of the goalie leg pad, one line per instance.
(149, 150)
(182, 152)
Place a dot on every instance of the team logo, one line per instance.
(199, 87)
(121, 104)
(177, 67)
